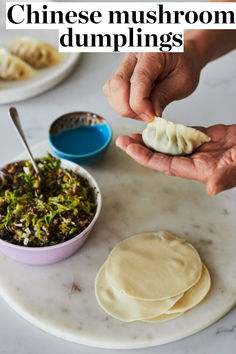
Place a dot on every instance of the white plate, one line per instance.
(44, 79)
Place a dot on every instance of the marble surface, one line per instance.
(60, 298)
(213, 102)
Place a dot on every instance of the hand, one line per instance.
(145, 83)
(214, 163)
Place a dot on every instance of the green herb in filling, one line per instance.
(44, 212)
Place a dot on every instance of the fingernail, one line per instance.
(151, 119)
(146, 117)
(117, 142)
(158, 110)
(212, 190)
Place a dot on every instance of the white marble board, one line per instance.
(60, 298)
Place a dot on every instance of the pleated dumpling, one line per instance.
(170, 138)
(38, 54)
(13, 68)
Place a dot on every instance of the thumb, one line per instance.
(160, 98)
(223, 178)
(145, 73)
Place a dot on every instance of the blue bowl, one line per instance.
(81, 137)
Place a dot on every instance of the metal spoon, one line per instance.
(13, 114)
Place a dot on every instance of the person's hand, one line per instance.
(145, 83)
(214, 163)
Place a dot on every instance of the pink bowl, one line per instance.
(56, 253)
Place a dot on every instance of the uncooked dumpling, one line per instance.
(37, 54)
(13, 68)
(174, 139)
(126, 308)
(153, 266)
(195, 295)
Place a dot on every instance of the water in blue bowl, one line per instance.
(81, 140)
(83, 144)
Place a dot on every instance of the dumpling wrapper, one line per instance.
(126, 308)
(195, 295)
(170, 138)
(164, 317)
(153, 266)
(38, 54)
(13, 68)
(190, 299)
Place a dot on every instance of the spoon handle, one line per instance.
(13, 114)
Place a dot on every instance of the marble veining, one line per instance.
(223, 330)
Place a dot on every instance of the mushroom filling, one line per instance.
(44, 212)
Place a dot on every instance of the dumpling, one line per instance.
(170, 138)
(37, 54)
(13, 68)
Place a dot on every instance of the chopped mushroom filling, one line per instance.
(43, 212)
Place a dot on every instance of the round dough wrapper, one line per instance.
(164, 317)
(126, 308)
(195, 295)
(153, 266)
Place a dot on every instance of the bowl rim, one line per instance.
(81, 155)
(94, 183)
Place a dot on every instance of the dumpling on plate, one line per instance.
(13, 68)
(170, 138)
(38, 54)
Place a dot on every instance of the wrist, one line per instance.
(195, 40)
(210, 44)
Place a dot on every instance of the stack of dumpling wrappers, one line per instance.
(151, 277)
